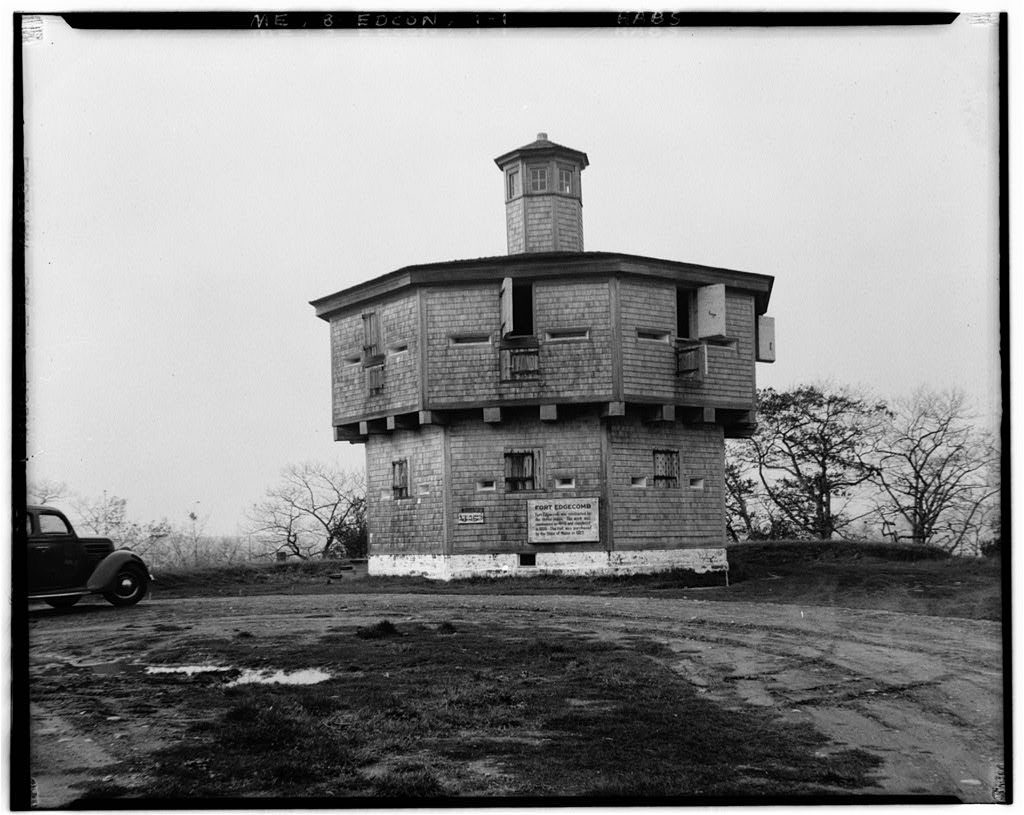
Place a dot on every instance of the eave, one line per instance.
(542, 266)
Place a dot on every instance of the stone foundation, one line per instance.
(583, 564)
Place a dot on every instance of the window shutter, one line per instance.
(375, 378)
(765, 339)
(711, 311)
(400, 478)
(692, 362)
(506, 306)
(371, 335)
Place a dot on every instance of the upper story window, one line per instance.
(538, 179)
(513, 184)
(666, 468)
(564, 180)
(516, 308)
(684, 306)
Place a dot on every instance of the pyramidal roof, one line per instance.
(540, 147)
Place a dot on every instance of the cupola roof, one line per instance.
(542, 147)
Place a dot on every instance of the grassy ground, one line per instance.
(428, 710)
(880, 576)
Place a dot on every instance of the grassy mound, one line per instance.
(884, 576)
(873, 575)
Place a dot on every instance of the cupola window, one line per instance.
(538, 179)
(513, 184)
(564, 180)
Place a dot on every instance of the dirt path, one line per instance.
(924, 693)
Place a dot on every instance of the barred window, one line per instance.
(400, 478)
(666, 468)
(521, 468)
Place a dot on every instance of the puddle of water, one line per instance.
(188, 670)
(247, 676)
(308, 676)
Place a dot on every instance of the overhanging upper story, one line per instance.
(544, 330)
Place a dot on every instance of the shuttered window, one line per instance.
(516, 308)
(400, 478)
(375, 379)
(371, 336)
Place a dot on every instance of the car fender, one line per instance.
(108, 568)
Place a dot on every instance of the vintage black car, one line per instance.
(63, 568)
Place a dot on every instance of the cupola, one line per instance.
(543, 197)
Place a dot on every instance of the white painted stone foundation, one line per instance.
(649, 561)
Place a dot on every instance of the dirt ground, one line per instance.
(923, 693)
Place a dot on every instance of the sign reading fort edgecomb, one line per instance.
(563, 520)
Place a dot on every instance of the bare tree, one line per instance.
(808, 453)
(748, 515)
(311, 512)
(108, 516)
(196, 528)
(937, 472)
(46, 491)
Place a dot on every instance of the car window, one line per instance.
(52, 525)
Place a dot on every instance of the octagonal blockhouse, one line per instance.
(549, 411)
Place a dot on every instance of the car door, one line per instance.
(53, 555)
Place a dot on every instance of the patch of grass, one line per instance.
(872, 575)
(890, 577)
(548, 714)
(270, 740)
(409, 781)
(379, 631)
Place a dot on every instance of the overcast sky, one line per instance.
(189, 193)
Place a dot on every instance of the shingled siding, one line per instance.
(649, 366)
(462, 374)
(572, 369)
(413, 525)
(569, 221)
(399, 322)
(648, 517)
(469, 374)
(540, 224)
(514, 226)
(570, 448)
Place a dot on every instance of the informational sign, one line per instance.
(471, 516)
(563, 520)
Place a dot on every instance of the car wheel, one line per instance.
(63, 602)
(128, 587)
